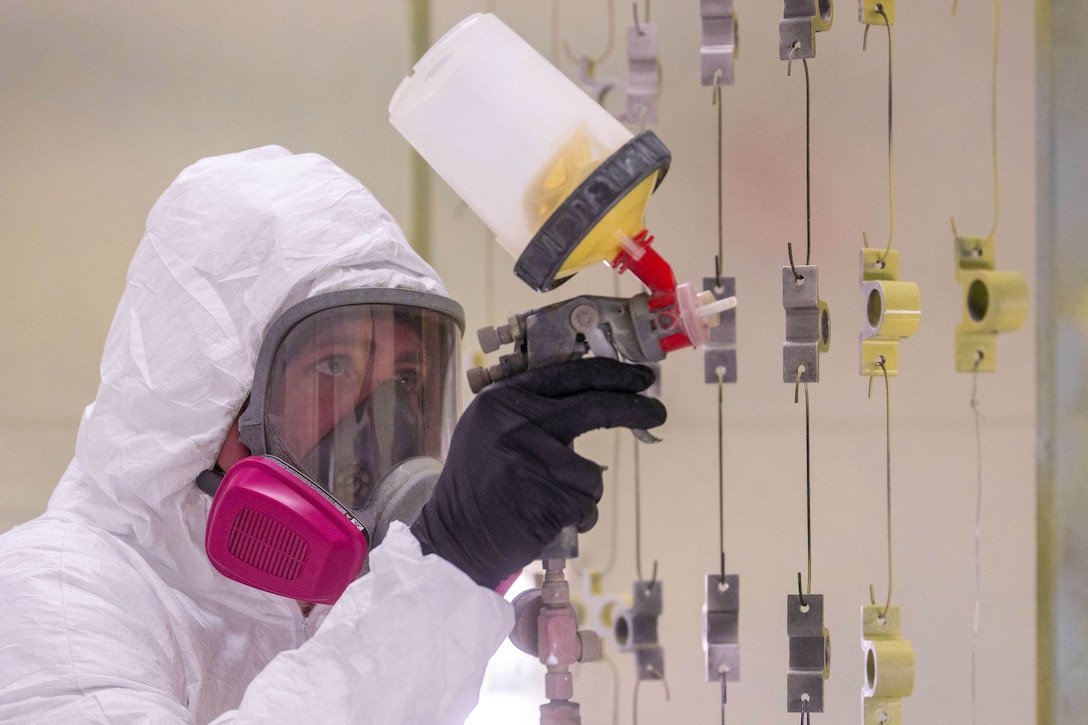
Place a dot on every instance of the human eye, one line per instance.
(333, 365)
(409, 378)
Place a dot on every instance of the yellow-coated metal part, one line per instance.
(602, 243)
(889, 666)
(824, 16)
(993, 302)
(893, 310)
(868, 13)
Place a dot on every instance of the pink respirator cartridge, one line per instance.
(273, 529)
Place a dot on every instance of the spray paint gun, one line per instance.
(563, 185)
(642, 328)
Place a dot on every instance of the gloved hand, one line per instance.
(512, 481)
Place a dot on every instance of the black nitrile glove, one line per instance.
(512, 481)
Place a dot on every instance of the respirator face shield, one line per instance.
(355, 390)
(354, 401)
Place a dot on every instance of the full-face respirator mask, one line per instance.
(353, 404)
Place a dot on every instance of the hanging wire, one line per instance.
(716, 99)
(978, 536)
(721, 476)
(808, 488)
(615, 690)
(614, 513)
(613, 541)
(891, 173)
(724, 673)
(638, 528)
(593, 60)
(658, 675)
(888, 474)
(993, 117)
(808, 154)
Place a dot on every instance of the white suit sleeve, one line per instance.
(407, 643)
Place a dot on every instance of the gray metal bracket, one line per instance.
(721, 351)
(810, 653)
(721, 629)
(801, 20)
(808, 324)
(721, 38)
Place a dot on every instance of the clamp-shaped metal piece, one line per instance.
(893, 310)
(808, 324)
(636, 630)
(801, 20)
(721, 629)
(721, 41)
(993, 302)
(889, 666)
(720, 353)
(810, 653)
(869, 12)
(643, 75)
(596, 86)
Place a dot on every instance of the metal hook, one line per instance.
(638, 680)
(806, 716)
(653, 579)
(789, 61)
(797, 384)
(789, 251)
(608, 47)
(716, 92)
(634, 12)
(887, 23)
(800, 592)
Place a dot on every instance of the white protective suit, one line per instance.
(112, 612)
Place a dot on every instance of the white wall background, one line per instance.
(104, 103)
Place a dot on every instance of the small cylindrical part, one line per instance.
(892, 309)
(889, 668)
(489, 339)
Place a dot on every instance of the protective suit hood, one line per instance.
(231, 244)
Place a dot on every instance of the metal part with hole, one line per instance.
(889, 666)
(721, 628)
(893, 310)
(810, 653)
(643, 75)
(801, 20)
(808, 324)
(635, 630)
(869, 12)
(721, 351)
(993, 302)
(718, 53)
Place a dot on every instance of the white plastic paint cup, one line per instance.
(502, 126)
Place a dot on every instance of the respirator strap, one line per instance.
(208, 480)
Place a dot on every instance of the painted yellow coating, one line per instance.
(993, 302)
(818, 23)
(602, 244)
(889, 666)
(867, 12)
(573, 163)
(893, 311)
